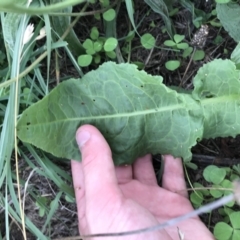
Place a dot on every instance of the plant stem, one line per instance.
(190, 61)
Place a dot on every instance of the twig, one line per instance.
(182, 82)
(206, 160)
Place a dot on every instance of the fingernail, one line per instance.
(82, 138)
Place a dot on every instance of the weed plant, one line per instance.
(41, 37)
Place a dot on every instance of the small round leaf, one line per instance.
(234, 219)
(207, 172)
(178, 38)
(98, 45)
(111, 54)
(228, 211)
(148, 41)
(215, 192)
(88, 44)
(222, 231)
(94, 33)
(187, 52)
(169, 43)
(97, 59)
(204, 191)
(217, 175)
(105, 3)
(182, 45)
(227, 184)
(90, 51)
(198, 55)
(85, 60)
(110, 44)
(196, 198)
(172, 65)
(236, 234)
(109, 15)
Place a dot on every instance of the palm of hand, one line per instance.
(129, 198)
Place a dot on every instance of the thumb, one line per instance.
(97, 163)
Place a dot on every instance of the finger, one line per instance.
(124, 174)
(143, 170)
(97, 163)
(173, 176)
(78, 183)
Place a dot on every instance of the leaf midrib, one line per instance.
(204, 102)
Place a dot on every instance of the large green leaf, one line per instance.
(228, 15)
(135, 111)
(217, 87)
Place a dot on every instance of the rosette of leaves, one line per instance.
(136, 112)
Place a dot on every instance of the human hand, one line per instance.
(126, 198)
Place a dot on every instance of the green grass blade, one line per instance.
(130, 10)
(53, 207)
(161, 8)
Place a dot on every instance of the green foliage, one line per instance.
(161, 8)
(235, 56)
(95, 46)
(187, 52)
(222, 1)
(109, 15)
(130, 10)
(121, 116)
(176, 43)
(196, 198)
(192, 115)
(85, 60)
(172, 65)
(224, 231)
(214, 174)
(219, 179)
(19, 7)
(228, 15)
(198, 55)
(60, 24)
(110, 44)
(99, 48)
(148, 41)
(41, 204)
